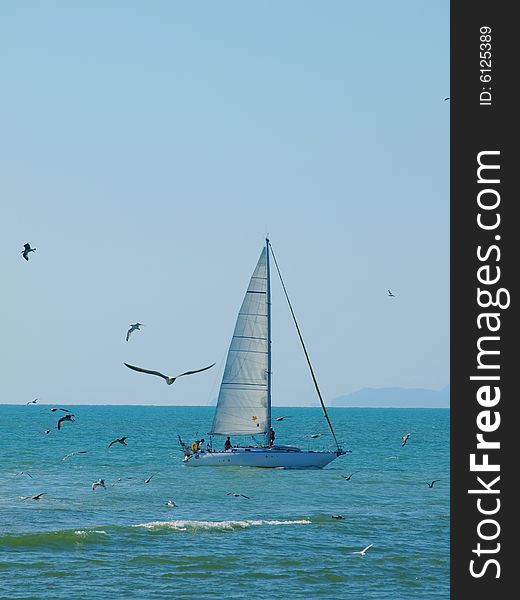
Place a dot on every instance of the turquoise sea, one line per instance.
(282, 542)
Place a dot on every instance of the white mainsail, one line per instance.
(243, 403)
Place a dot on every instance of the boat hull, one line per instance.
(268, 458)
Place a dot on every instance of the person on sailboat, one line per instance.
(227, 444)
(271, 437)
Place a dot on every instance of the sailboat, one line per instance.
(244, 400)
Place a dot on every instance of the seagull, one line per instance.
(69, 417)
(170, 503)
(390, 294)
(237, 495)
(37, 497)
(55, 409)
(120, 440)
(363, 552)
(349, 477)
(169, 380)
(405, 438)
(149, 478)
(430, 485)
(446, 99)
(133, 327)
(32, 402)
(314, 436)
(25, 473)
(26, 249)
(74, 454)
(338, 517)
(98, 483)
(282, 418)
(46, 431)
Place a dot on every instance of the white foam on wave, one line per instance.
(82, 532)
(185, 525)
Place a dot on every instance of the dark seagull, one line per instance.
(170, 504)
(63, 409)
(169, 380)
(282, 418)
(237, 495)
(36, 497)
(26, 249)
(69, 417)
(349, 477)
(390, 294)
(339, 517)
(133, 327)
(430, 485)
(98, 483)
(25, 473)
(120, 440)
(405, 439)
(446, 99)
(32, 402)
(149, 478)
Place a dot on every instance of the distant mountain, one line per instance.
(396, 397)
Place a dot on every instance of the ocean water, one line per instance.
(282, 543)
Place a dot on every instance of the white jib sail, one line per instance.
(242, 402)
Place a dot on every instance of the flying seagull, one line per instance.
(338, 517)
(55, 409)
(405, 438)
(98, 483)
(25, 473)
(363, 552)
(282, 418)
(32, 402)
(349, 477)
(74, 454)
(36, 497)
(314, 436)
(169, 380)
(26, 249)
(430, 485)
(133, 327)
(149, 478)
(446, 99)
(170, 503)
(120, 440)
(69, 417)
(390, 294)
(237, 495)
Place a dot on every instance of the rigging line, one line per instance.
(304, 348)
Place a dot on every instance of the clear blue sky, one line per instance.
(146, 148)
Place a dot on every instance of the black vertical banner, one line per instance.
(484, 270)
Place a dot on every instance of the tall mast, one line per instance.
(268, 289)
(324, 409)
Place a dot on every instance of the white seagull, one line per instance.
(133, 327)
(405, 438)
(170, 503)
(169, 380)
(74, 454)
(26, 249)
(282, 418)
(36, 497)
(390, 294)
(32, 402)
(364, 551)
(149, 478)
(98, 483)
